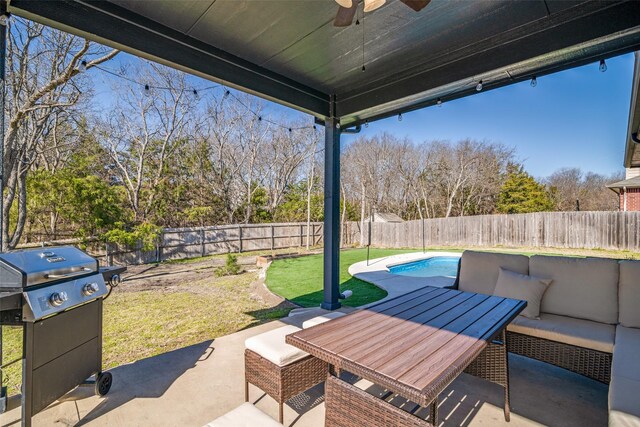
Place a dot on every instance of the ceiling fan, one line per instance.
(348, 9)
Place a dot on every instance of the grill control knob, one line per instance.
(90, 289)
(58, 298)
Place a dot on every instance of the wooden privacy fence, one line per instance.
(589, 230)
(180, 243)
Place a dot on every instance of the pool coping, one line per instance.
(376, 272)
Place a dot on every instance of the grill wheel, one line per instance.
(103, 383)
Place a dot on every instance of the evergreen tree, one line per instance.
(521, 193)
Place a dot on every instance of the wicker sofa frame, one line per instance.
(282, 382)
(590, 363)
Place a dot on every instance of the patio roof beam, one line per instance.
(96, 20)
(331, 278)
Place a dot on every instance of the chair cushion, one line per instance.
(272, 347)
(629, 294)
(569, 330)
(586, 288)
(520, 286)
(321, 319)
(625, 354)
(245, 415)
(624, 402)
(479, 270)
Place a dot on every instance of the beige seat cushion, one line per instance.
(624, 402)
(569, 330)
(321, 319)
(586, 288)
(629, 294)
(245, 415)
(479, 270)
(271, 346)
(520, 286)
(626, 353)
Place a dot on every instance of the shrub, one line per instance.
(231, 267)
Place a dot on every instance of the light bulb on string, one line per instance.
(366, 123)
(400, 117)
(439, 102)
(479, 86)
(82, 67)
(603, 66)
(147, 89)
(195, 94)
(226, 94)
(534, 81)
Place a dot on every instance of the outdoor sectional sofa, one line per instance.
(589, 319)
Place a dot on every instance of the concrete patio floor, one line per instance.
(193, 385)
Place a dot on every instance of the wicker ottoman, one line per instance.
(282, 371)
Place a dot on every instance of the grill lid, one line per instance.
(40, 266)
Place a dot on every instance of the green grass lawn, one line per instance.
(300, 279)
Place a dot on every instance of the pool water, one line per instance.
(430, 267)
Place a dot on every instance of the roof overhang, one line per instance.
(632, 149)
(300, 60)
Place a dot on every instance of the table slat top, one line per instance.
(413, 343)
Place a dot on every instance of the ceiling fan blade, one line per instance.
(345, 15)
(416, 5)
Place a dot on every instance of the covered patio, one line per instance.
(395, 61)
(194, 385)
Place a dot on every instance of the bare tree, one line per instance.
(44, 79)
(146, 131)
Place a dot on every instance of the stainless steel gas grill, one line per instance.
(56, 294)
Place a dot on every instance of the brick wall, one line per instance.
(633, 199)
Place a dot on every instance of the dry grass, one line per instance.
(146, 317)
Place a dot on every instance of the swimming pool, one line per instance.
(429, 267)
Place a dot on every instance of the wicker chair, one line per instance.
(294, 372)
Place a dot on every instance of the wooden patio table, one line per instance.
(415, 345)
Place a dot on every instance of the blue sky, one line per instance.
(576, 118)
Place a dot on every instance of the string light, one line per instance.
(534, 82)
(197, 91)
(479, 86)
(400, 117)
(366, 123)
(439, 102)
(603, 66)
(83, 66)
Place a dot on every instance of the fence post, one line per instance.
(301, 235)
(159, 251)
(273, 239)
(239, 239)
(202, 245)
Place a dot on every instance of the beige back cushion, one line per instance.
(479, 270)
(586, 288)
(629, 294)
(522, 287)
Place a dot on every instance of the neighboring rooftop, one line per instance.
(626, 183)
(385, 217)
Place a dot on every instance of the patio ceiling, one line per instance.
(290, 52)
